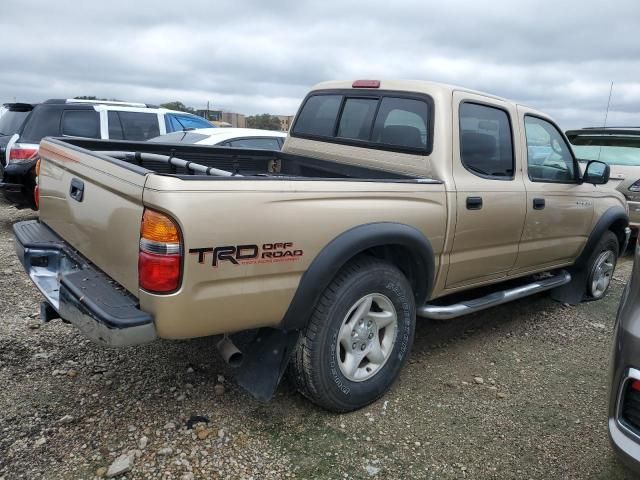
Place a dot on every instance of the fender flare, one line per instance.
(574, 291)
(346, 246)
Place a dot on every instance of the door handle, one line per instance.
(474, 203)
(76, 190)
(538, 203)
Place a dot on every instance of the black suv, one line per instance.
(80, 118)
(10, 123)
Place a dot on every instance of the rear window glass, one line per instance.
(402, 122)
(11, 121)
(318, 116)
(264, 143)
(81, 123)
(385, 121)
(357, 118)
(139, 126)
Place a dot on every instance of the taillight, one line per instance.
(160, 257)
(36, 189)
(635, 187)
(19, 154)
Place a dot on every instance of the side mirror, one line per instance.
(596, 173)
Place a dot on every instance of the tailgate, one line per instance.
(95, 204)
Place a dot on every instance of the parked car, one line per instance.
(227, 137)
(618, 147)
(624, 393)
(13, 116)
(389, 200)
(81, 118)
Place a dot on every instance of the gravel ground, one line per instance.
(518, 391)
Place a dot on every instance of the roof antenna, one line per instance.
(606, 115)
(608, 104)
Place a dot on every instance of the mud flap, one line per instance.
(573, 292)
(265, 360)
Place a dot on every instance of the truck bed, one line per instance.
(241, 163)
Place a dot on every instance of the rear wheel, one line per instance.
(601, 266)
(359, 337)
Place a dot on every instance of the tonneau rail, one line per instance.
(138, 157)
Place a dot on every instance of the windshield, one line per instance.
(608, 154)
(11, 122)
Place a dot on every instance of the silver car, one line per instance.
(624, 398)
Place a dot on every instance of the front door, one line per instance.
(490, 196)
(559, 208)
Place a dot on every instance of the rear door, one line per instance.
(489, 189)
(559, 209)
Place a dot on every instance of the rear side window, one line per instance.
(318, 117)
(81, 123)
(486, 145)
(374, 120)
(134, 126)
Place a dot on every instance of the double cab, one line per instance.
(390, 201)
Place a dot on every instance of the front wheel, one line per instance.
(359, 337)
(601, 266)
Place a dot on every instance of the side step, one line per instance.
(445, 312)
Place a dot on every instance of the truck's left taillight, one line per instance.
(160, 257)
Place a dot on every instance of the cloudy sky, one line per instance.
(262, 56)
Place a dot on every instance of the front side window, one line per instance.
(549, 158)
(81, 123)
(382, 120)
(486, 145)
(139, 126)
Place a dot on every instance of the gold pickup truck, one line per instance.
(390, 200)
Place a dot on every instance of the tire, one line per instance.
(325, 366)
(601, 265)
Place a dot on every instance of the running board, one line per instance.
(445, 312)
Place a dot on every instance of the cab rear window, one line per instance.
(383, 120)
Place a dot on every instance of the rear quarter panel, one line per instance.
(307, 214)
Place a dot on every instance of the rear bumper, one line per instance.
(634, 215)
(18, 182)
(81, 294)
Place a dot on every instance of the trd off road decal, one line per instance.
(248, 254)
